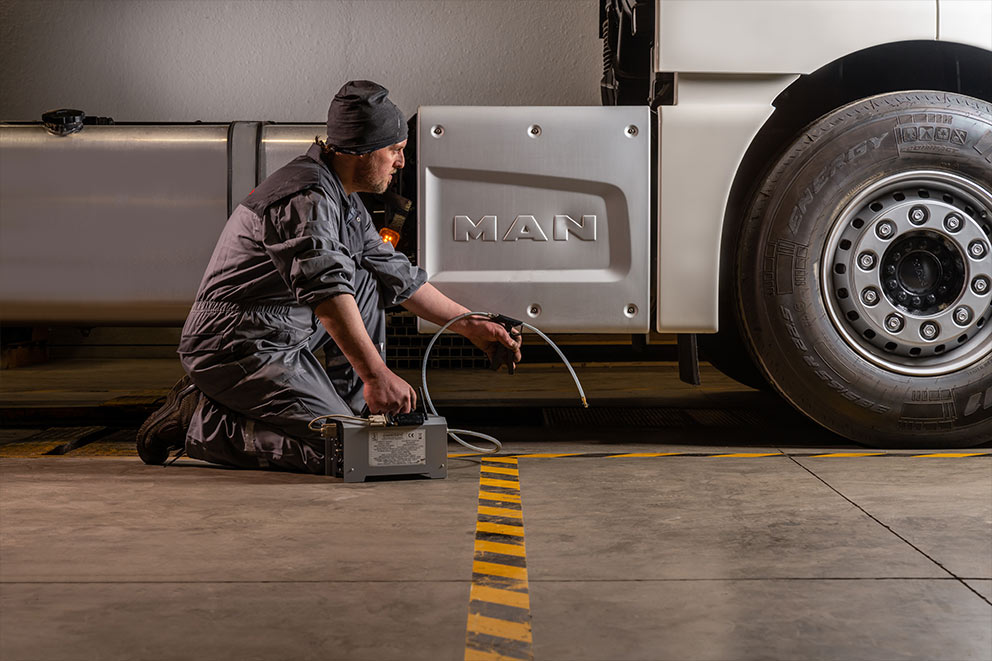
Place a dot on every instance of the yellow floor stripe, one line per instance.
(490, 626)
(494, 569)
(31, 449)
(550, 455)
(499, 547)
(459, 455)
(489, 637)
(749, 454)
(499, 528)
(486, 655)
(506, 497)
(501, 460)
(108, 449)
(501, 511)
(506, 484)
(849, 454)
(644, 454)
(951, 454)
(497, 596)
(499, 469)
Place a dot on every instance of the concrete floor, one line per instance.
(700, 556)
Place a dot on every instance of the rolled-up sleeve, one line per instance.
(398, 279)
(302, 237)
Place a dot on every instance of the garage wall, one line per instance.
(283, 60)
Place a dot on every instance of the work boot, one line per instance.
(165, 429)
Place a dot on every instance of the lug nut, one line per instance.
(962, 316)
(980, 285)
(866, 260)
(977, 249)
(953, 222)
(929, 330)
(918, 215)
(885, 229)
(894, 323)
(870, 296)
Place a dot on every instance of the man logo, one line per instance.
(525, 227)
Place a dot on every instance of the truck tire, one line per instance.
(865, 268)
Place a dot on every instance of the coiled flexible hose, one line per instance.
(430, 404)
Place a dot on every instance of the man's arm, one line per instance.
(384, 391)
(430, 304)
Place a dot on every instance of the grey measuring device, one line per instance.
(402, 444)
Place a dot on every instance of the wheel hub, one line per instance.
(923, 273)
(907, 272)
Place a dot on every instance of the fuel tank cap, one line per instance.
(63, 121)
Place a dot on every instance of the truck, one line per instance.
(800, 190)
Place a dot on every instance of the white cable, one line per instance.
(336, 416)
(427, 395)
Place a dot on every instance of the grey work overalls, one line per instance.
(249, 341)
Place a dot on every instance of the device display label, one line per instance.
(406, 447)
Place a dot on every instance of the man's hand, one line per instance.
(500, 346)
(387, 393)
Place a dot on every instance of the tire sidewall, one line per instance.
(783, 308)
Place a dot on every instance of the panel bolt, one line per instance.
(870, 296)
(534, 310)
(866, 260)
(534, 130)
(894, 323)
(962, 316)
(630, 131)
(885, 229)
(953, 222)
(631, 310)
(977, 249)
(918, 215)
(980, 285)
(929, 330)
(437, 131)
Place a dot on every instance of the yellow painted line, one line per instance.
(506, 497)
(459, 455)
(750, 454)
(108, 449)
(502, 639)
(643, 454)
(501, 511)
(499, 528)
(31, 449)
(850, 454)
(506, 484)
(497, 596)
(501, 460)
(499, 547)
(951, 454)
(494, 569)
(500, 469)
(550, 455)
(488, 655)
(490, 626)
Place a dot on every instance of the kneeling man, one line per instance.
(299, 267)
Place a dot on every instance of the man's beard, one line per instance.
(365, 178)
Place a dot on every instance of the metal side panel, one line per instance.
(113, 224)
(281, 143)
(540, 213)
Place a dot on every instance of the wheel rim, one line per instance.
(907, 273)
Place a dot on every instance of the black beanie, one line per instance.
(361, 119)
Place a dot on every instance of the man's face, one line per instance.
(375, 170)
